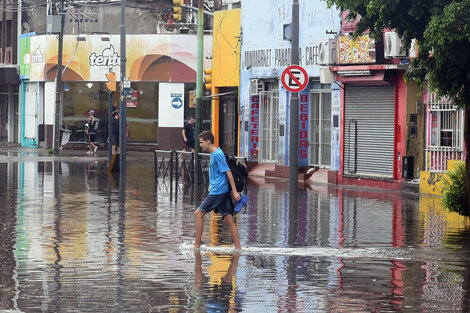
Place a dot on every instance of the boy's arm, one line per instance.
(235, 193)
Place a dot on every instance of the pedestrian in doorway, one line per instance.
(220, 178)
(91, 126)
(115, 131)
(188, 135)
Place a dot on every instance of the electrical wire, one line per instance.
(227, 78)
(76, 47)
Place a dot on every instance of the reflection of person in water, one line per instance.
(222, 282)
(91, 171)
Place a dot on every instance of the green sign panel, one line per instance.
(25, 55)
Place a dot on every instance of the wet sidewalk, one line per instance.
(67, 245)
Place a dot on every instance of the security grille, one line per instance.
(444, 133)
(320, 128)
(269, 126)
(369, 131)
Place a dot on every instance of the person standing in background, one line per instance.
(114, 136)
(91, 131)
(188, 135)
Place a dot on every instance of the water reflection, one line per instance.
(218, 293)
(69, 245)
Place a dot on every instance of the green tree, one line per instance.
(442, 29)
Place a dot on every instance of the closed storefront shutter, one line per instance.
(369, 131)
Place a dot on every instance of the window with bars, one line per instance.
(269, 126)
(320, 128)
(445, 124)
(444, 133)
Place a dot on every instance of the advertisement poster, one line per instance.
(356, 51)
(131, 98)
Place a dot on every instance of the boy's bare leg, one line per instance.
(232, 228)
(199, 215)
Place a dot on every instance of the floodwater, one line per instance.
(67, 245)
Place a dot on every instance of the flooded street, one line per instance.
(67, 245)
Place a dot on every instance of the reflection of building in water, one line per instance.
(443, 282)
(8, 223)
(223, 283)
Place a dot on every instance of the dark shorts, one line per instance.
(114, 140)
(91, 138)
(191, 144)
(219, 203)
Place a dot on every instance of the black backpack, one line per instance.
(239, 172)
(95, 123)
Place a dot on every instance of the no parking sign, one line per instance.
(294, 78)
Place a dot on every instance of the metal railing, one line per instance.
(437, 157)
(178, 166)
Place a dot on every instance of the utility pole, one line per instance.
(199, 88)
(59, 89)
(122, 111)
(294, 107)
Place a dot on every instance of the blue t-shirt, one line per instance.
(218, 181)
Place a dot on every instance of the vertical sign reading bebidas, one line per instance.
(303, 127)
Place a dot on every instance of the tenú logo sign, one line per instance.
(107, 58)
(38, 57)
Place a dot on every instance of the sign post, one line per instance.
(301, 82)
(294, 79)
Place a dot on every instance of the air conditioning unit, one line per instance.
(8, 55)
(327, 76)
(393, 46)
(256, 86)
(327, 52)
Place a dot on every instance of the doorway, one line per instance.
(269, 126)
(3, 117)
(320, 128)
(229, 124)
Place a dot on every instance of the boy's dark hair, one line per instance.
(191, 118)
(207, 135)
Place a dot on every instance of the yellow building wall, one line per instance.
(226, 49)
(431, 183)
(225, 58)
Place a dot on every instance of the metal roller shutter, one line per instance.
(369, 131)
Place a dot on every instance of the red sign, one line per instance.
(254, 122)
(131, 99)
(294, 78)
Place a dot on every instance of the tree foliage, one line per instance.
(442, 29)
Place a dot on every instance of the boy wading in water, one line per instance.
(219, 198)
